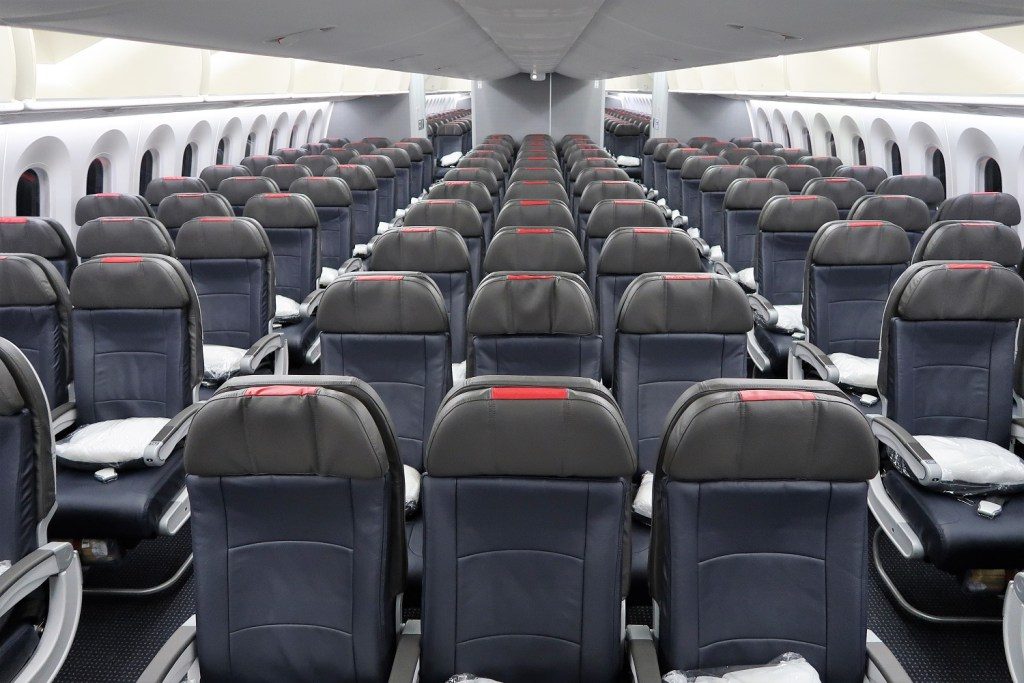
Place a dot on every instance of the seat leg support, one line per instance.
(145, 592)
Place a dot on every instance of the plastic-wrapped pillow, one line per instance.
(790, 318)
(470, 678)
(643, 503)
(112, 443)
(458, 373)
(220, 362)
(287, 309)
(327, 276)
(412, 489)
(789, 668)
(451, 159)
(856, 371)
(627, 161)
(982, 465)
(746, 278)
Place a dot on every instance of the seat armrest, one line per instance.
(31, 571)
(172, 663)
(311, 303)
(1013, 627)
(63, 417)
(906, 448)
(723, 268)
(702, 247)
(167, 439)
(763, 310)
(406, 666)
(273, 343)
(643, 656)
(883, 667)
(1017, 429)
(803, 353)
(353, 265)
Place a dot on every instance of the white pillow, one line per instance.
(470, 678)
(451, 159)
(973, 461)
(327, 276)
(790, 318)
(789, 670)
(412, 489)
(220, 362)
(458, 373)
(745, 277)
(112, 443)
(856, 371)
(643, 504)
(287, 309)
(627, 161)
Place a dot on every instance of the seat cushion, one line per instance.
(973, 461)
(128, 507)
(856, 371)
(111, 443)
(746, 278)
(220, 362)
(954, 535)
(790, 318)
(286, 310)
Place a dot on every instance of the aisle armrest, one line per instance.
(273, 343)
(167, 439)
(643, 655)
(906, 448)
(63, 417)
(803, 353)
(406, 666)
(763, 310)
(172, 663)
(883, 667)
(311, 303)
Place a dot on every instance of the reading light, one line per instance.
(536, 75)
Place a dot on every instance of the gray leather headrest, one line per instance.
(257, 162)
(521, 173)
(678, 156)
(532, 303)
(534, 249)
(535, 212)
(323, 191)
(735, 429)
(599, 190)
(796, 213)
(536, 189)
(334, 141)
(110, 204)
(963, 290)
(970, 241)
(844, 192)
(575, 430)
(412, 149)
(631, 251)
(762, 164)
(499, 157)
(478, 175)
(341, 155)
(844, 243)
(717, 147)
(701, 303)
(282, 210)
(289, 154)
(766, 147)
(450, 129)
(399, 157)
(745, 194)
(597, 174)
(869, 176)
(396, 302)
(661, 151)
(316, 163)
(827, 165)
(792, 155)
(700, 140)
(421, 249)
(176, 210)
(457, 214)
(583, 165)
(695, 166)
(286, 174)
(910, 213)
(737, 154)
(31, 235)
(213, 176)
(610, 214)
(981, 206)
(159, 188)
(313, 148)
(492, 165)
(240, 189)
(745, 140)
(124, 235)
(378, 141)
(794, 175)
(356, 175)
(652, 144)
(30, 280)
(927, 188)
(222, 238)
(718, 178)
(382, 166)
(424, 144)
(361, 147)
(469, 190)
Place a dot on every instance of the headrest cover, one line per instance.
(31, 235)
(869, 176)
(700, 140)
(458, 214)
(414, 151)
(844, 192)
(745, 194)
(765, 147)
(469, 190)
(30, 280)
(378, 141)
(227, 238)
(962, 290)
(258, 162)
(420, 249)
(632, 251)
(694, 166)
(845, 243)
(575, 430)
(361, 147)
(910, 213)
(738, 154)
(579, 167)
(794, 175)
(678, 156)
(286, 174)
(159, 188)
(592, 175)
(796, 213)
(479, 175)
(927, 188)
(355, 175)
(289, 154)
(132, 235)
(535, 212)
(599, 190)
(240, 189)
(399, 157)
(781, 430)
(382, 166)
(213, 176)
(652, 144)
(341, 155)
(382, 303)
(316, 163)
(970, 241)
(717, 147)
(661, 151)
(130, 281)
(701, 303)
(981, 206)
(175, 210)
(424, 144)
(323, 191)
(610, 214)
(282, 210)
(762, 164)
(827, 165)
(491, 165)
(534, 249)
(110, 204)
(792, 155)
(536, 189)
(718, 178)
(533, 303)
(745, 141)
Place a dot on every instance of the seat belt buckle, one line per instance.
(990, 508)
(105, 475)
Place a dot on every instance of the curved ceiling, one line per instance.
(488, 39)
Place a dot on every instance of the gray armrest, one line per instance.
(407, 655)
(883, 667)
(1017, 429)
(352, 265)
(763, 310)
(723, 268)
(55, 563)
(172, 663)
(703, 247)
(1013, 627)
(167, 439)
(681, 222)
(643, 656)
(906, 448)
(63, 417)
(273, 343)
(803, 353)
(311, 303)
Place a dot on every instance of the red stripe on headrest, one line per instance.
(536, 182)
(776, 395)
(425, 229)
(457, 182)
(118, 219)
(536, 168)
(121, 259)
(276, 195)
(984, 193)
(838, 180)
(968, 266)
(534, 202)
(800, 197)
(13, 219)
(190, 195)
(976, 224)
(534, 231)
(280, 390)
(174, 177)
(216, 219)
(529, 393)
(687, 276)
(379, 278)
(537, 158)
(528, 276)
(652, 231)
(441, 201)
(628, 202)
(866, 224)
(107, 194)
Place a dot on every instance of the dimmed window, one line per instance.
(993, 177)
(895, 159)
(188, 159)
(939, 167)
(95, 177)
(145, 171)
(27, 194)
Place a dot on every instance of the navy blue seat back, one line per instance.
(391, 331)
(690, 173)
(123, 235)
(910, 213)
(760, 541)
(533, 324)
(387, 185)
(851, 268)
(844, 192)
(947, 349)
(240, 189)
(257, 162)
(40, 236)
(136, 338)
(159, 189)
(526, 543)
(333, 202)
(610, 215)
(794, 175)
(35, 312)
(672, 331)
(471, 191)
(177, 209)
(927, 188)
(785, 229)
(299, 552)
(742, 205)
(403, 177)
(231, 265)
(970, 240)
(362, 183)
(111, 204)
(293, 227)
(673, 176)
(712, 187)
(461, 216)
(448, 139)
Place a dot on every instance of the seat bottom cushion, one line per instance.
(954, 535)
(856, 371)
(128, 507)
(18, 643)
